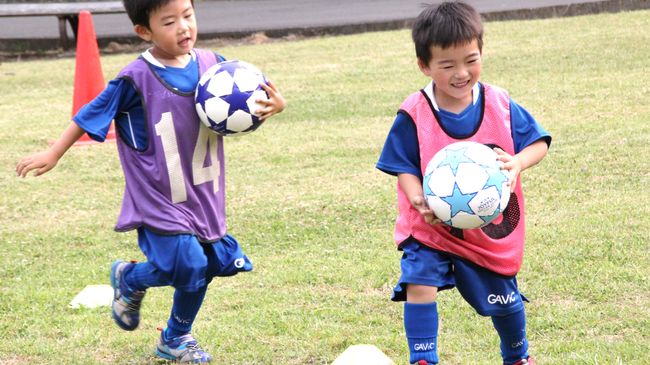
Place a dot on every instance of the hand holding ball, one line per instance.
(226, 97)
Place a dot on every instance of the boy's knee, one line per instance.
(498, 305)
(416, 293)
(189, 275)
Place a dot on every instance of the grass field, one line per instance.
(316, 217)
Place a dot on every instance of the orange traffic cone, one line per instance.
(88, 75)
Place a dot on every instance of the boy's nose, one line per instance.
(184, 26)
(461, 72)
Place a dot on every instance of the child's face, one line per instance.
(455, 71)
(172, 30)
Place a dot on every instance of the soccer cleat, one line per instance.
(423, 362)
(126, 308)
(183, 349)
(528, 361)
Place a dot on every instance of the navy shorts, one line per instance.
(489, 293)
(189, 264)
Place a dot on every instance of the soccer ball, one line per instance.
(465, 186)
(225, 97)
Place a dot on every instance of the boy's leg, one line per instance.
(126, 299)
(512, 332)
(498, 297)
(143, 275)
(222, 258)
(176, 342)
(424, 272)
(184, 310)
(175, 260)
(130, 281)
(421, 324)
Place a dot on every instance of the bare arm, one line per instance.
(412, 187)
(528, 157)
(45, 161)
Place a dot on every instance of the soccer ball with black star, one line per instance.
(226, 97)
(465, 186)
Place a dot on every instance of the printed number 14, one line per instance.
(206, 143)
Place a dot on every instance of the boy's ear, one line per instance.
(143, 32)
(424, 67)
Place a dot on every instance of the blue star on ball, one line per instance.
(454, 158)
(496, 179)
(459, 202)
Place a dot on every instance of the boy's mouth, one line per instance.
(460, 84)
(185, 41)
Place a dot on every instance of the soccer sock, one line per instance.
(512, 332)
(421, 325)
(143, 275)
(184, 310)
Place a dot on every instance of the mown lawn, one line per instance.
(316, 217)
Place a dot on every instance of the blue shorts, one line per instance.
(489, 293)
(189, 264)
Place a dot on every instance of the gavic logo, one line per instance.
(431, 346)
(181, 320)
(239, 263)
(520, 343)
(502, 299)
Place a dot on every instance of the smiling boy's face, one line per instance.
(454, 70)
(172, 30)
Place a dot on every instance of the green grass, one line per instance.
(316, 217)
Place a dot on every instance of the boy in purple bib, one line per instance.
(173, 169)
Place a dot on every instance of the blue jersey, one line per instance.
(401, 153)
(120, 101)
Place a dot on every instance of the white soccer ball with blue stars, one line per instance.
(226, 97)
(465, 186)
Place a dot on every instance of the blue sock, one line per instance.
(184, 310)
(143, 275)
(421, 325)
(512, 332)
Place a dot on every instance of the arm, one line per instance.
(273, 105)
(412, 187)
(93, 118)
(401, 157)
(46, 160)
(528, 157)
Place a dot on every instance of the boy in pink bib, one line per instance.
(481, 263)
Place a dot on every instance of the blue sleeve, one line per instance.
(95, 117)
(525, 129)
(401, 152)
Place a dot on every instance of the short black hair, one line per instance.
(140, 10)
(444, 25)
